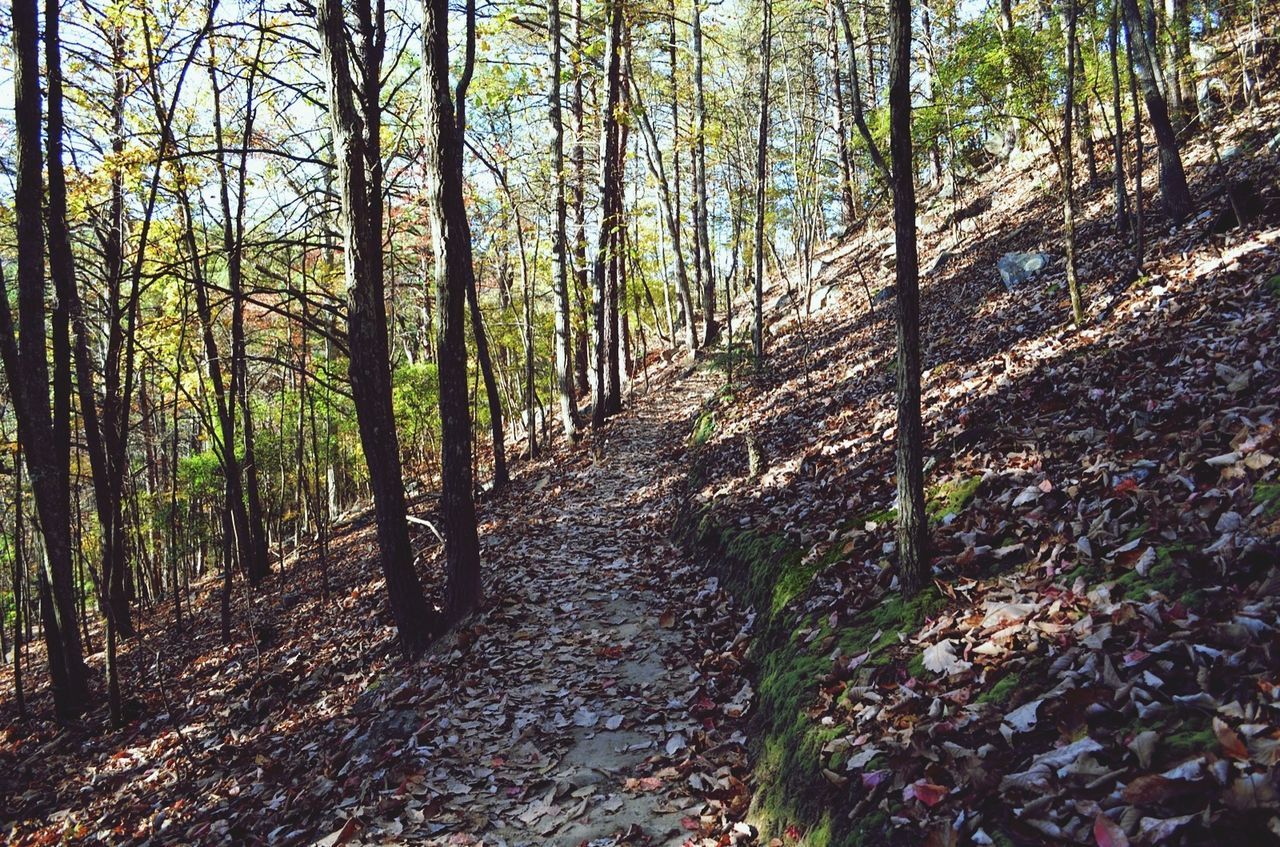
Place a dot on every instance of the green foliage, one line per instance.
(415, 399)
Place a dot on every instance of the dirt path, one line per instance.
(566, 713)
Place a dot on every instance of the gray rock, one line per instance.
(889, 256)
(821, 296)
(780, 302)
(1016, 268)
(886, 294)
(1203, 55)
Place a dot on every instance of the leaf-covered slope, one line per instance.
(1096, 660)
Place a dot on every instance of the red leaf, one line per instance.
(1108, 833)
(926, 792)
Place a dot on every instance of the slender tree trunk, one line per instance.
(848, 211)
(1178, 203)
(603, 318)
(559, 241)
(1139, 222)
(258, 565)
(859, 116)
(913, 537)
(701, 212)
(1117, 135)
(19, 580)
(451, 236)
(762, 158)
(1066, 164)
(582, 355)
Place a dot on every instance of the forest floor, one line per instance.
(595, 699)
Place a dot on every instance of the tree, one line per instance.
(913, 551)
(702, 238)
(1066, 165)
(559, 241)
(356, 119)
(454, 272)
(604, 399)
(1174, 193)
(762, 158)
(44, 433)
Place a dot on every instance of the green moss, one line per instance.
(1186, 742)
(948, 497)
(951, 497)
(1137, 532)
(1267, 494)
(1273, 284)
(703, 428)
(915, 667)
(1002, 690)
(880, 518)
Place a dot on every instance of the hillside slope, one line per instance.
(1096, 662)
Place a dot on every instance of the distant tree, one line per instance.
(1144, 51)
(762, 152)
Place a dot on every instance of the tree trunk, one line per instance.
(1117, 134)
(356, 119)
(258, 566)
(1173, 180)
(45, 435)
(848, 211)
(702, 234)
(603, 300)
(913, 563)
(1066, 164)
(582, 356)
(451, 237)
(559, 241)
(762, 150)
(859, 116)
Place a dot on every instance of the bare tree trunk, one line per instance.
(1066, 164)
(1117, 134)
(356, 120)
(44, 434)
(859, 117)
(913, 529)
(582, 357)
(559, 241)
(258, 565)
(848, 210)
(762, 158)
(702, 235)
(1173, 181)
(451, 236)
(603, 299)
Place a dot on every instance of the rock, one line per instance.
(886, 294)
(821, 296)
(780, 302)
(943, 257)
(817, 267)
(1203, 55)
(889, 256)
(1016, 268)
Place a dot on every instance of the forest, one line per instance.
(856, 425)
